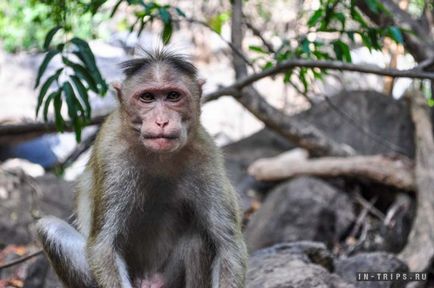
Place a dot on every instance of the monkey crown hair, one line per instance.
(150, 58)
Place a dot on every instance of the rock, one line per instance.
(239, 155)
(292, 265)
(370, 262)
(305, 208)
(40, 274)
(368, 121)
(23, 197)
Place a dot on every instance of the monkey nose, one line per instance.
(162, 123)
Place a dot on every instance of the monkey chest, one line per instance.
(155, 231)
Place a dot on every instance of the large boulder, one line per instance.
(368, 121)
(305, 208)
(299, 264)
(347, 268)
(239, 155)
(23, 197)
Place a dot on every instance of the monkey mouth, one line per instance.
(161, 136)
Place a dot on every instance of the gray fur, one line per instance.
(173, 214)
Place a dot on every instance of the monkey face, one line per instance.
(163, 109)
(165, 119)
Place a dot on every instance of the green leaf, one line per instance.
(47, 103)
(167, 33)
(45, 88)
(73, 104)
(81, 72)
(366, 41)
(216, 24)
(50, 54)
(82, 91)
(317, 73)
(302, 75)
(372, 5)
(373, 36)
(268, 65)
(50, 36)
(180, 12)
(316, 16)
(358, 17)
(395, 33)
(305, 46)
(70, 99)
(258, 49)
(351, 36)
(85, 54)
(321, 55)
(341, 18)
(58, 119)
(287, 76)
(165, 16)
(342, 51)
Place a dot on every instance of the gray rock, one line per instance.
(23, 197)
(305, 208)
(370, 262)
(292, 265)
(239, 155)
(368, 121)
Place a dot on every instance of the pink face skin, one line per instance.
(161, 108)
(155, 281)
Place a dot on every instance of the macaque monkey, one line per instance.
(154, 206)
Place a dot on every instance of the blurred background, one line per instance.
(322, 109)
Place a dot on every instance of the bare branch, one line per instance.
(419, 251)
(232, 46)
(19, 132)
(290, 64)
(20, 260)
(300, 133)
(396, 172)
(82, 147)
(258, 34)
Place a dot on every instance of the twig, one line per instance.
(80, 149)
(234, 49)
(258, 34)
(374, 211)
(20, 260)
(234, 88)
(41, 127)
(362, 216)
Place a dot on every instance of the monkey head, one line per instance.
(161, 100)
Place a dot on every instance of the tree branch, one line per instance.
(18, 132)
(396, 172)
(290, 64)
(300, 133)
(20, 260)
(419, 251)
(419, 45)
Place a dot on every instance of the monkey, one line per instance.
(154, 206)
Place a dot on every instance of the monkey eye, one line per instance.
(146, 97)
(173, 96)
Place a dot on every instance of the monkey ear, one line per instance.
(118, 88)
(201, 82)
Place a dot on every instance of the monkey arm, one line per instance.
(106, 264)
(229, 266)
